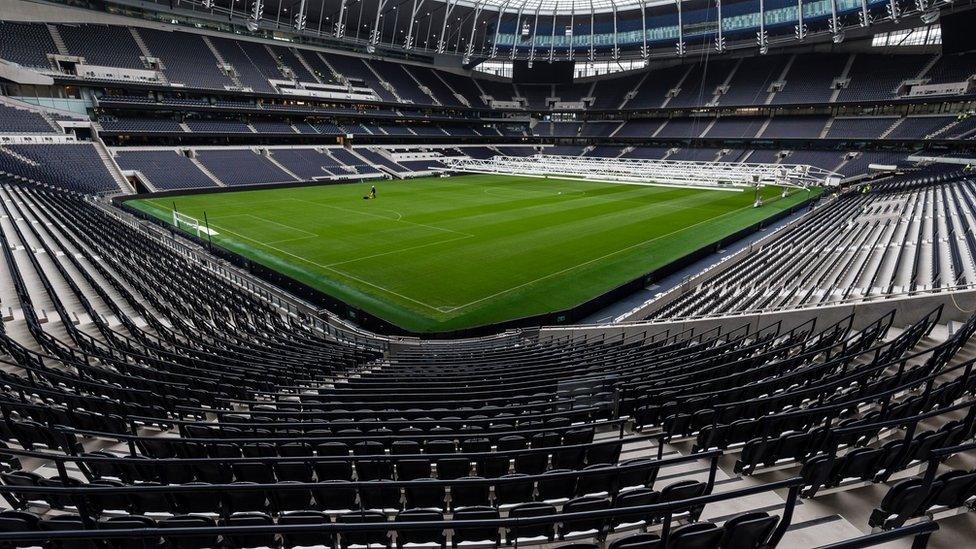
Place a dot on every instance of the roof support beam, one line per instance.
(801, 27)
(408, 41)
(762, 38)
(469, 49)
(518, 31)
(552, 38)
(719, 37)
(300, 17)
(616, 48)
(257, 11)
(644, 50)
(498, 29)
(592, 32)
(535, 32)
(374, 37)
(340, 26)
(572, 31)
(680, 46)
(442, 39)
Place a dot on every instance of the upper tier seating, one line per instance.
(654, 89)
(876, 77)
(610, 93)
(89, 41)
(251, 61)
(952, 68)
(698, 87)
(809, 79)
(750, 85)
(465, 86)
(26, 43)
(427, 77)
(401, 80)
(187, 59)
(357, 69)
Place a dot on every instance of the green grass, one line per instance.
(439, 254)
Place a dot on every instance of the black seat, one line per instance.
(699, 535)
(67, 522)
(469, 494)
(559, 489)
(531, 464)
(748, 530)
(250, 540)
(306, 539)
(413, 537)
(531, 532)
(380, 496)
(335, 495)
(190, 542)
(604, 453)
(424, 496)
(333, 470)
(683, 490)
(245, 500)
(363, 538)
(600, 480)
(374, 469)
(513, 493)
(412, 469)
(635, 498)
(476, 534)
(637, 541)
(129, 522)
(493, 466)
(453, 468)
(595, 527)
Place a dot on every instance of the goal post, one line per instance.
(191, 224)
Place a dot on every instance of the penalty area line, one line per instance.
(334, 270)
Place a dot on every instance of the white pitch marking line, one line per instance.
(337, 271)
(400, 220)
(258, 217)
(567, 269)
(398, 250)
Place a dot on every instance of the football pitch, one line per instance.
(438, 254)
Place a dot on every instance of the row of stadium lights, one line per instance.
(929, 10)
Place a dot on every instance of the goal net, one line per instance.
(190, 224)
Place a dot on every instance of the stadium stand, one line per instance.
(26, 43)
(809, 80)
(88, 41)
(165, 170)
(805, 382)
(17, 120)
(855, 247)
(242, 167)
(74, 166)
